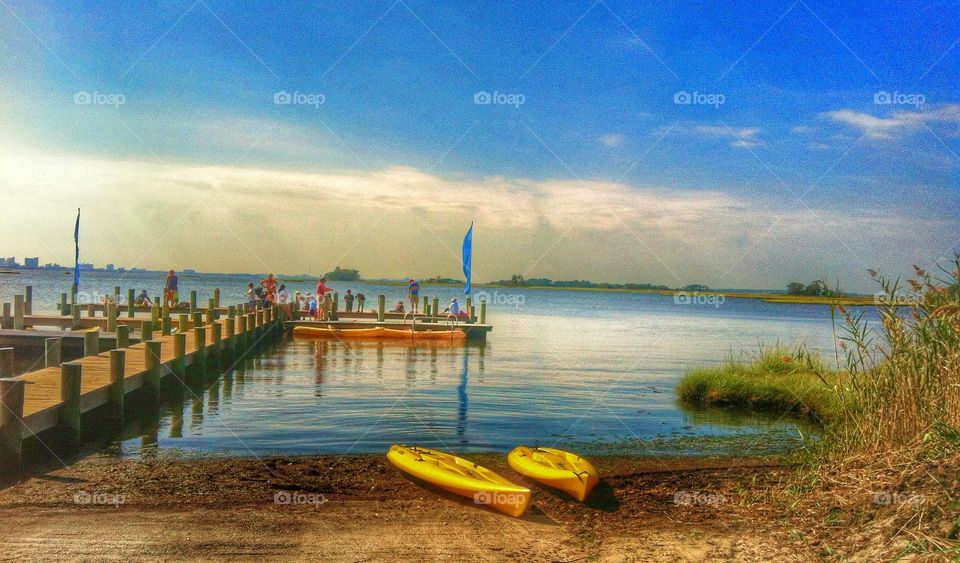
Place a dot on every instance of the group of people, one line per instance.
(268, 292)
(319, 306)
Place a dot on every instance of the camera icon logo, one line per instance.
(483, 98)
(482, 497)
(282, 98)
(82, 98)
(682, 98)
(882, 98)
(282, 497)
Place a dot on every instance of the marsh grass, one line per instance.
(773, 380)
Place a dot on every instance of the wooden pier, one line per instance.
(57, 397)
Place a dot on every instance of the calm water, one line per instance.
(577, 368)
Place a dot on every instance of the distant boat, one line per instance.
(11, 272)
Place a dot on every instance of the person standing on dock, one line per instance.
(324, 299)
(413, 292)
(251, 298)
(348, 300)
(270, 285)
(361, 298)
(170, 293)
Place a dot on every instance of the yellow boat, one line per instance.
(555, 468)
(424, 334)
(461, 477)
(330, 332)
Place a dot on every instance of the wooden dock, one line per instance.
(57, 397)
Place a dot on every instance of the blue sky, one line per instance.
(785, 118)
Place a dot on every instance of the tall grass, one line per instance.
(902, 385)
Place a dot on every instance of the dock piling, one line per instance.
(123, 336)
(151, 377)
(483, 312)
(64, 308)
(469, 310)
(117, 361)
(112, 316)
(179, 353)
(51, 352)
(381, 308)
(193, 300)
(91, 310)
(200, 349)
(91, 343)
(131, 297)
(11, 425)
(18, 308)
(75, 312)
(6, 362)
(146, 331)
(71, 374)
(6, 321)
(183, 322)
(28, 300)
(216, 297)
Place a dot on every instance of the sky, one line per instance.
(738, 145)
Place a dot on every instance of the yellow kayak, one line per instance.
(555, 468)
(461, 477)
(424, 334)
(345, 333)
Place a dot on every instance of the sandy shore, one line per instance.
(358, 508)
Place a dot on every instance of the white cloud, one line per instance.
(740, 137)
(613, 139)
(899, 122)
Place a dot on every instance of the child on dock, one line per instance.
(348, 300)
(413, 292)
(251, 297)
(143, 300)
(361, 298)
(398, 308)
(170, 293)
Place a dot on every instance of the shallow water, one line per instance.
(583, 369)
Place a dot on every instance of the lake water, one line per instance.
(581, 369)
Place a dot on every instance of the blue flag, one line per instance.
(76, 243)
(467, 256)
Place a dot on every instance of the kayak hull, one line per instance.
(424, 334)
(555, 468)
(345, 333)
(461, 477)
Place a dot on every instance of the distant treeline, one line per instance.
(518, 281)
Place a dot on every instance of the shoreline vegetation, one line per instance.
(889, 408)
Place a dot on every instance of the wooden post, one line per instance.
(483, 312)
(469, 310)
(51, 352)
(166, 325)
(200, 349)
(426, 304)
(131, 297)
(179, 353)
(123, 336)
(193, 299)
(64, 308)
(381, 308)
(197, 318)
(217, 329)
(112, 316)
(91, 309)
(18, 308)
(7, 320)
(155, 313)
(117, 361)
(336, 306)
(146, 331)
(230, 328)
(164, 311)
(231, 311)
(73, 294)
(151, 376)
(70, 381)
(211, 312)
(6, 362)
(28, 300)
(11, 425)
(91, 343)
(435, 309)
(216, 297)
(75, 311)
(241, 333)
(183, 322)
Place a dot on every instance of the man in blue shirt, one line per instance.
(413, 292)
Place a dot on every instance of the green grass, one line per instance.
(775, 381)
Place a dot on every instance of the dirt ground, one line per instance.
(359, 508)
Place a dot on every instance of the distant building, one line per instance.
(111, 267)
(32, 263)
(10, 263)
(86, 266)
